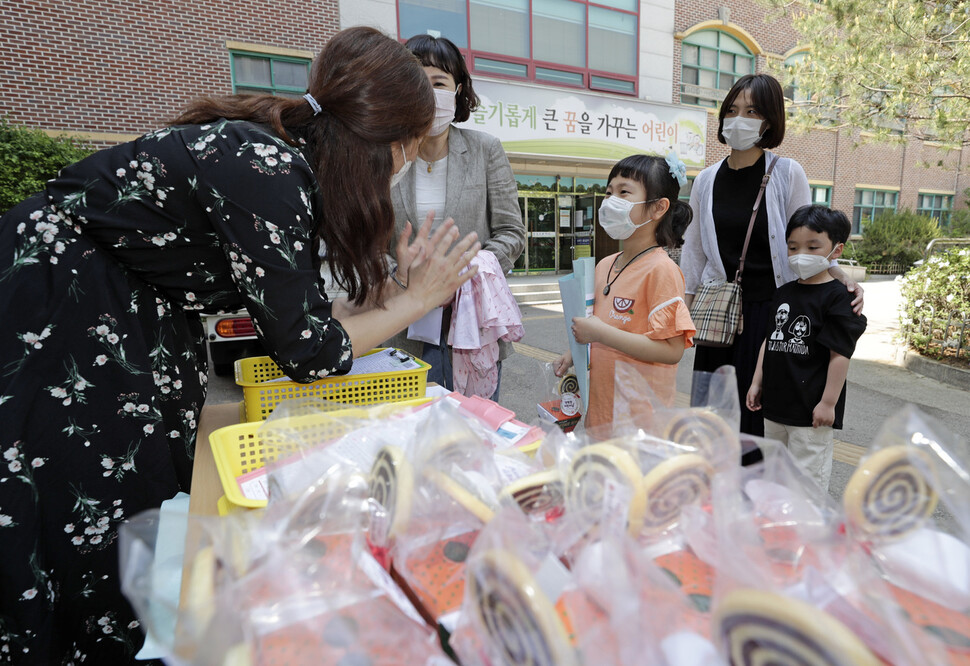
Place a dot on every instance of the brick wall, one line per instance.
(112, 66)
(845, 157)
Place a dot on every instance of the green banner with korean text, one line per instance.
(536, 120)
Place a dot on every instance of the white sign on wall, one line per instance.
(536, 120)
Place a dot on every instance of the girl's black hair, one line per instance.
(653, 173)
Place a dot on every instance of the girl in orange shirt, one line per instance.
(639, 315)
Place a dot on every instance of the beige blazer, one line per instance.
(481, 197)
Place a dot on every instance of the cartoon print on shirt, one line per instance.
(622, 310)
(800, 328)
(623, 304)
(781, 317)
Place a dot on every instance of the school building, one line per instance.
(569, 86)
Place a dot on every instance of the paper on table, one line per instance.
(386, 360)
(574, 294)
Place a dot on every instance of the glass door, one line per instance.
(585, 224)
(539, 212)
(564, 220)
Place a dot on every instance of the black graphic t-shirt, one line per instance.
(810, 322)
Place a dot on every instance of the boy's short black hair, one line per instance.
(822, 220)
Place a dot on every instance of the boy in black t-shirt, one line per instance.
(800, 377)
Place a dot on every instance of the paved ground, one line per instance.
(878, 387)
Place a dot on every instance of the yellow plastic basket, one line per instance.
(242, 448)
(261, 396)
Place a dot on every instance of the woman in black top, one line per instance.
(102, 357)
(751, 120)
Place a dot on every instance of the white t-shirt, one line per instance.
(430, 190)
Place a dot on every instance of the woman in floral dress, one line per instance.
(102, 277)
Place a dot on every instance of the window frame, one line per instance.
(686, 41)
(272, 88)
(821, 186)
(531, 63)
(940, 214)
(874, 210)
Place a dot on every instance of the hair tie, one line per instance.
(678, 169)
(312, 101)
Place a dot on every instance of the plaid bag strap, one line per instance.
(754, 214)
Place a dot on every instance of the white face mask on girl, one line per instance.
(444, 110)
(396, 178)
(741, 133)
(615, 219)
(807, 266)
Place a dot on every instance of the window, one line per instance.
(712, 61)
(276, 75)
(445, 18)
(575, 43)
(937, 206)
(822, 195)
(500, 27)
(869, 203)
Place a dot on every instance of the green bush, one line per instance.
(959, 226)
(932, 292)
(895, 238)
(29, 158)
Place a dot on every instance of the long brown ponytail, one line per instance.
(374, 95)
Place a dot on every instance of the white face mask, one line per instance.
(741, 133)
(396, 178)
(615, 219)
(807, 266)
(444, 110)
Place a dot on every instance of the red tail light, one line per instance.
(237, 327)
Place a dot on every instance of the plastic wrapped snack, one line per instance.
(294, 584)
(429, 501)
(911, 475)
(635, 482)
(512, 611)
(781, 549)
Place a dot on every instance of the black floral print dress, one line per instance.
(102, 363)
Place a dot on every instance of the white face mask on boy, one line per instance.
(807, 266)
(741, 133)
(615, 219)
(396, 177)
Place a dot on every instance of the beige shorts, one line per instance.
(811, 447)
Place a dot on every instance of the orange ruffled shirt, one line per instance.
(646, 298)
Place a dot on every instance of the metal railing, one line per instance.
(945, 335)
(944, 244)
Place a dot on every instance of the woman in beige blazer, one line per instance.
(460, 174)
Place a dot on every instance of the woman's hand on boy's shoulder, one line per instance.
(857, 292)
(588, 329)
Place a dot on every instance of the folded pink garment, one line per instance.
(483, 313)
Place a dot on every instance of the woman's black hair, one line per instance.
(375, 96)
(653, 173)
(767, 97)
(442, 53)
